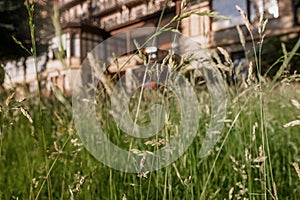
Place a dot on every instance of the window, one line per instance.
(268, 7)
(238, 59)
(227, 8)
(240, 67)
(296, 10)
(253, 8)
(75, 45)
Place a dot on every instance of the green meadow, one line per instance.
(257, 156)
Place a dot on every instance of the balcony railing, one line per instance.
(105, 8)
(117, 20)
(70, 4)
(132, 3)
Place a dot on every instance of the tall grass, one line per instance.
(76, 174)
(41, 156)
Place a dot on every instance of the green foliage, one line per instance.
(273, 56)
(14, 22)
(41, 157)
(74, 174)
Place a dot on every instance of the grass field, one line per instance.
(257, 157)
(46, 160)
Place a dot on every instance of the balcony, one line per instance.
(125, 62)
(70, 4)
(106, 8)
(57, 65)
(132, 3)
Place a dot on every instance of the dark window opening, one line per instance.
(75, 45)
(296, 11)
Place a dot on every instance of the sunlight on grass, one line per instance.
(42, 157)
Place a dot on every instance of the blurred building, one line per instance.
(86, 23)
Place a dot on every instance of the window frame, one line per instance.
(252, 14)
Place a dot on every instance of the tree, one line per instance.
(14, 22)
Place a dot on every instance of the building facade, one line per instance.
(86, 23)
